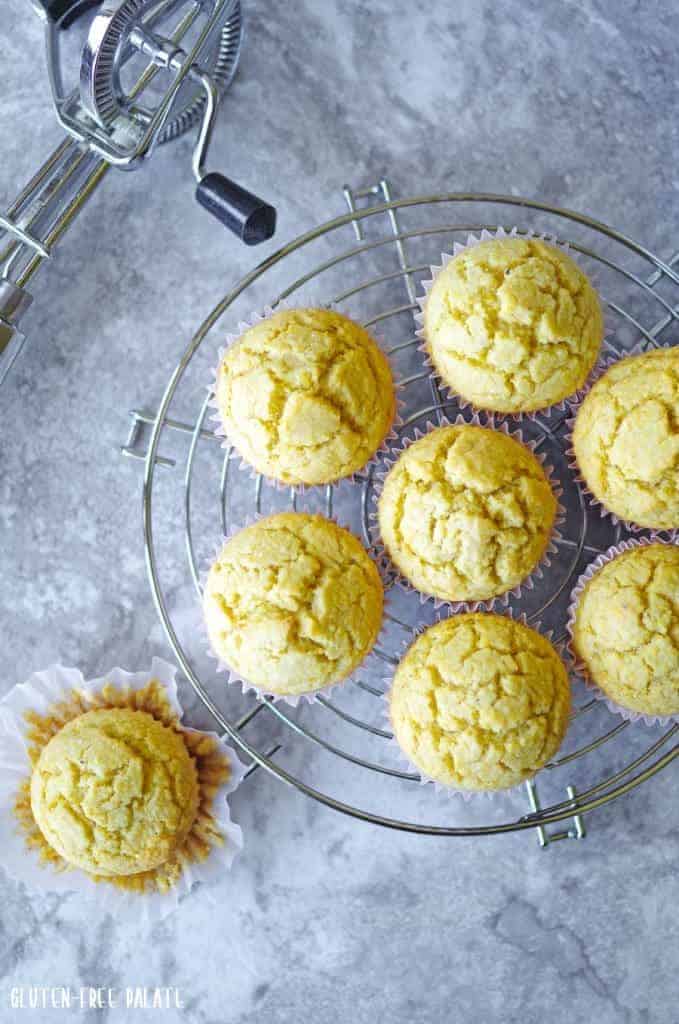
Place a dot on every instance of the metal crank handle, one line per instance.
(250, 218)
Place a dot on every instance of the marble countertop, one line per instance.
(324, 918)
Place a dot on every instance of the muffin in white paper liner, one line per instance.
(407, 765)
(390, 572)
(574, 404)
(427, 284)
(576, 664)
(231, 338)
(40, 695)
(287, 698)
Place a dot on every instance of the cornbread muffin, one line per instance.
(513, 325)
(480, 702)
(626, 629)
(115, 792)
(626, 439)
(466, 513)
(306, 396)
(293, 603)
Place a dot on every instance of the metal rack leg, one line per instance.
(382, 190)
(544, 837)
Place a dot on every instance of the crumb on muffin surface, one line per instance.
(626, 629)
(513, 325)
(115, 792)
(293, 603)
(626, 439)
(466, 513)
(306, 396)
(480, 702)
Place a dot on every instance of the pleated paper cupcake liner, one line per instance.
(227, 443)
(245, 684)
(577, 665)
(403, 760)
(390, 572)
(574, 406)
(52, 693)
(435, 269)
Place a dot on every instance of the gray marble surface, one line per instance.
(324, 918)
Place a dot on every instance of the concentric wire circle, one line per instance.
(337, 750)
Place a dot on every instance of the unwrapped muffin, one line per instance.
(512, 325)
(626, 439)
(480, 702)
(625, 630)
(306, 396)
(112, 791)
(293, 603)
(466, 513)
(115, 792)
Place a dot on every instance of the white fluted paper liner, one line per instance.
(576, 663)
(407, 765)
(250, 321)
(435, 270)
(574, 404)
(390, 571)
(287, 698)
(39, 694)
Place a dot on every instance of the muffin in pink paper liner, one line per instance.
(624, 440)
(623, 625)
(120, 734)
(479, 703)
(510, 323)
(305, 395)
(293, 605)
(467, 513)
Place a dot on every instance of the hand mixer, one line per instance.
(125, 76)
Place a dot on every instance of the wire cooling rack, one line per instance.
(368, 263)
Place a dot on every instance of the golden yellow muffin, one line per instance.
(466, 513)
(306, 396)
(626, 629)
(626, 439)
(293, 603)
(115, 792)
(480, 702)
(513, 325)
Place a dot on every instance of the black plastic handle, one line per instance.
(240, 211)
(68, 10)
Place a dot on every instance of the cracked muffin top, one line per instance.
(115, 792)
(513, 325)
(466, 513)
(626, 629)
(626, 439)
(293, 603)
(306, 396)
(480, 702)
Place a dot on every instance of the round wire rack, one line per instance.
(338, 750)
